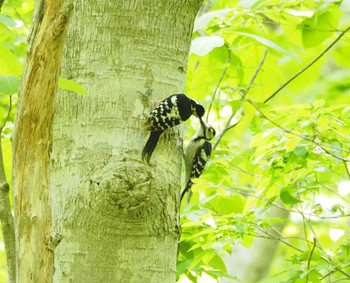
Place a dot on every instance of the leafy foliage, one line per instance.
(286, 149)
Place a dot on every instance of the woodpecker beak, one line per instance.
(202, 122)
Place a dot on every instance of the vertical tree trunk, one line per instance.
(32, 141)
(118, 217)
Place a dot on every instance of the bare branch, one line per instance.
(307, 66)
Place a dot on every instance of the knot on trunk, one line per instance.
(125, 186)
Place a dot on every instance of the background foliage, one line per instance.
(287, 149)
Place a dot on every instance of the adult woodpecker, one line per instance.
(197, 154)
(172, 111)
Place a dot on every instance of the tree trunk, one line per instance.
(116, 216)
(32, 141)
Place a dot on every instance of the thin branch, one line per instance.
(334, 192)
(309, 260)
(307, 66)
(228, 122)
(271, 237)
(241, 169)
(254, 195)
(346, 168)
(335, 267)
(255, 74)
(322, 146)
(8, 114)
(220, 80)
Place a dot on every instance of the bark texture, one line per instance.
(117, 217)
(32, 142)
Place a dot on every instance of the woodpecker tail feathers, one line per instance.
(186, 189)
(151, 145)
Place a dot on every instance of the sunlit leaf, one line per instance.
(204, 44)
(203, 20)
(71, 86)
(264, 41)
(287, 197)
(8, 62)
(7, 21)
(9, 85)
(319, 27)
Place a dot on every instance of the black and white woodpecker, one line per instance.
(172, 111)
(197, 154)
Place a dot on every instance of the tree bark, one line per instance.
(32, 142)
(116, 216)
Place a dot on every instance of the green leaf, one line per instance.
(217, 263)
(291, 142)
(9, 85)
(319, 27)
(203, 20)
(338, 208)
(235, 105)
(4, 29)
(9, 64)
(71, 86)
(227, 205)
(203, 45)
(8, 21)
(301, 151)
(287, 198)
(264, 41)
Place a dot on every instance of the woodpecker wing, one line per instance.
(170, 112)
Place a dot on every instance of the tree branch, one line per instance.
(309, 260)
(6, 217)
(307, 66)
(220, 80)
(346, 168)
(322, 146)
(228, 125)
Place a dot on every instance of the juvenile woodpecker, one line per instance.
(197, 154)
(172, 111)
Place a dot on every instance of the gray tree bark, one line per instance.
(116, 218)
